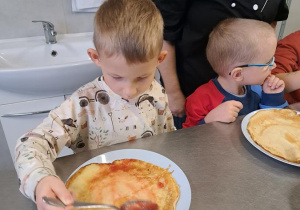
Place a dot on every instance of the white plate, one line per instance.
(154, 158)
(245, 122)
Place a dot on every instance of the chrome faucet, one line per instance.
(49, 31)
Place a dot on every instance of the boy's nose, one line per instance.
(129, 92)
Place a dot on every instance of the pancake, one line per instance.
(278, 132)
(122, 180)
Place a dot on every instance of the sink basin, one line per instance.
(29, 65)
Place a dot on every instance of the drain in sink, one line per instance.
(54, 53)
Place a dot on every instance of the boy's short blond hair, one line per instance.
(236, 41)
(133, 28)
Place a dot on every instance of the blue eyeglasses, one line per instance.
(270, 64)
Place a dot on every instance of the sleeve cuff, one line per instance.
(272, 99)
(33, 179)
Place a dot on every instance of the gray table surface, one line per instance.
(224, 170)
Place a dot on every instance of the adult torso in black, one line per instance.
(199, 18)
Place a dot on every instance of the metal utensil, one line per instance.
(141, 204)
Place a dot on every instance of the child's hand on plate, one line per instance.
(51, 186)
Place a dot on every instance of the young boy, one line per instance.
(126, 103)
(241, 51)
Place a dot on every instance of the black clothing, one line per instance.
(189, 22)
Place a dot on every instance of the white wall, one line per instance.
(16, 17)
(293, 21)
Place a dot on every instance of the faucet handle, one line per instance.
(53, 33)
(46, 24)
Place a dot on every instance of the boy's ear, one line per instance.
(93, 54)
(162, 56)
(237, 74)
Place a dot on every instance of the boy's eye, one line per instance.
(142, 78)
(117, 78)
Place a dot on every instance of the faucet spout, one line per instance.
(50, 33)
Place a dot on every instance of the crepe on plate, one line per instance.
(278, 132)
(122, 180)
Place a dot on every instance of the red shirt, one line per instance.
(287, 58)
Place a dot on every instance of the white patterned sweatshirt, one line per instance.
(93, 117)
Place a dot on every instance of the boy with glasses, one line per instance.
(241, 52)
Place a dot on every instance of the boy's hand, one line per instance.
(226, 112)
(273, 84)
(51, 186)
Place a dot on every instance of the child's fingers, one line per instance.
(63, 193)
(280, 83)
(44, 206)
(237, 104)
(270, 79)
(274, 83)
(277, 83)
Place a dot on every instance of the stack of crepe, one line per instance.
(278, 132)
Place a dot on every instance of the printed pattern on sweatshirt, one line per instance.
(93, 117)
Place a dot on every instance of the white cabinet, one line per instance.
(18, 118)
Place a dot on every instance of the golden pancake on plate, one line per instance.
(278, 132)
(122, 180)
